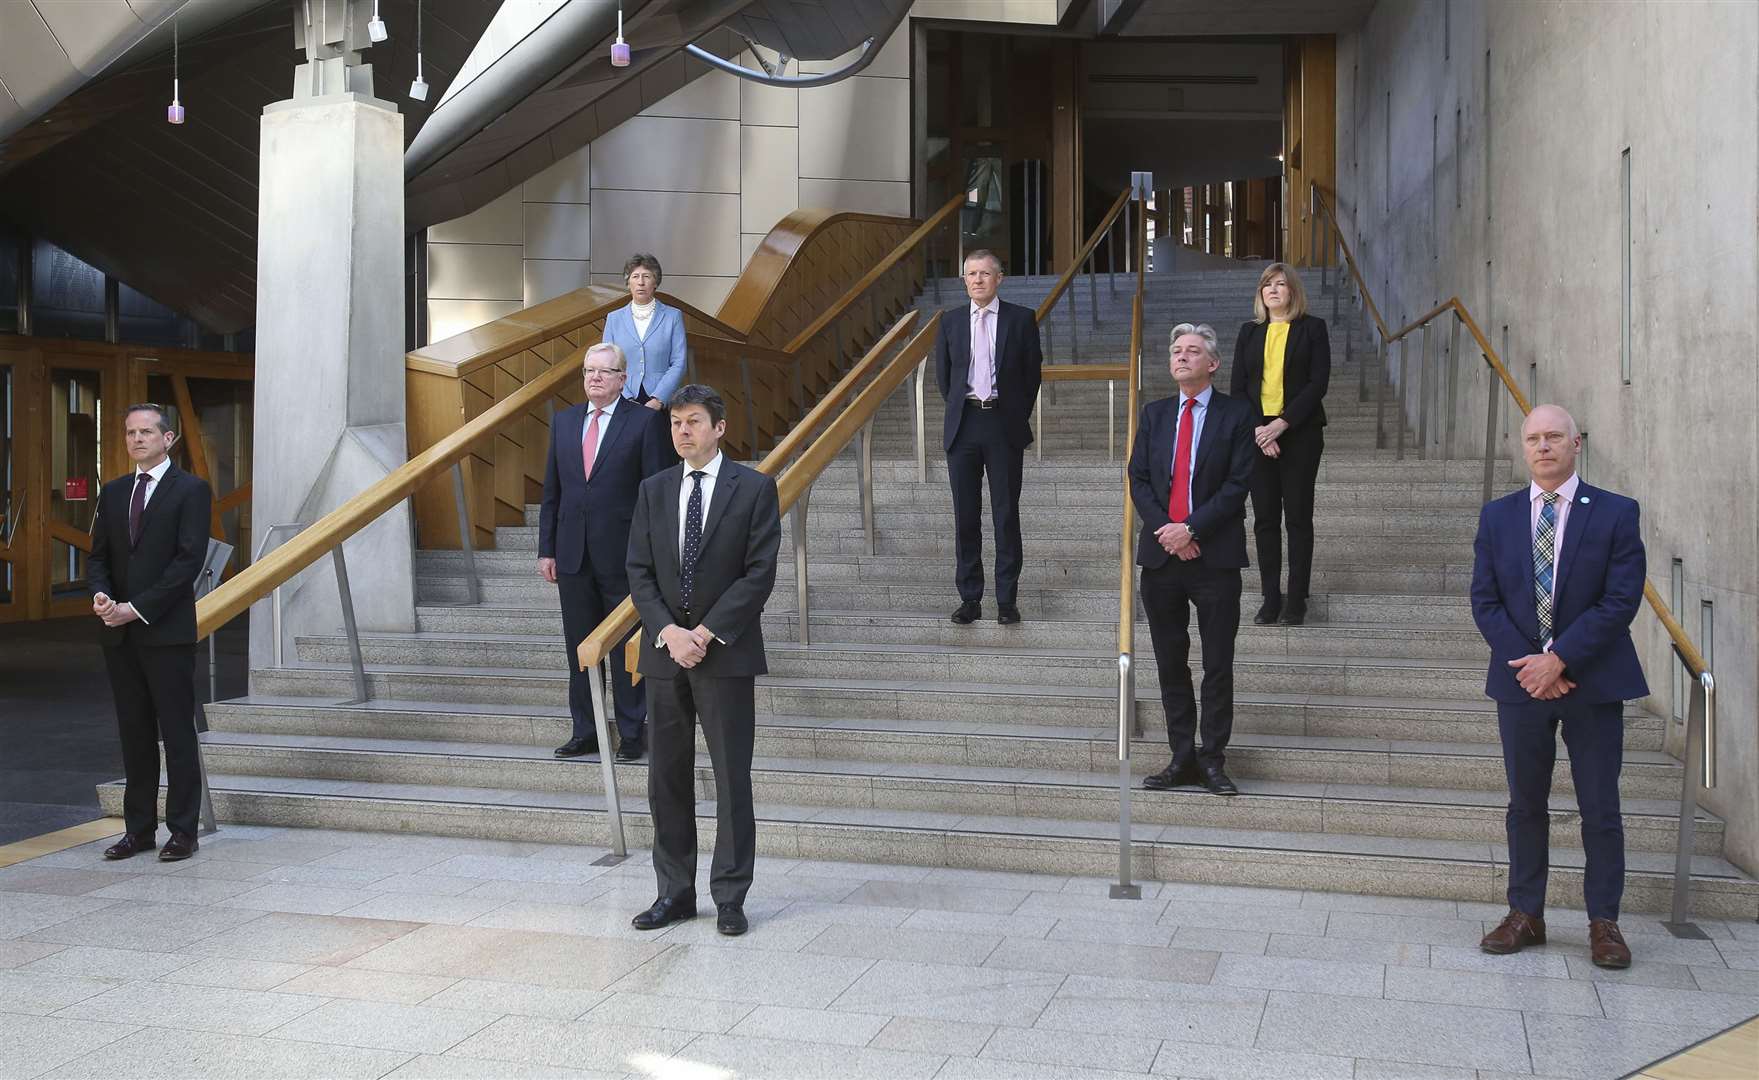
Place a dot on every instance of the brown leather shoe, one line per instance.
(180, 846)
(1606, 946)
(1516, 931)
(130, 845)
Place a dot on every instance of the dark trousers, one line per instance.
(980, 448)
(1594, 735)
(154, 687)
(726, 707)
(587, 598)
(1168, 593)
(1282, 497)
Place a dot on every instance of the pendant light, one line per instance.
(375, 26)
(619, 48)
(419, 88)
(174, 111)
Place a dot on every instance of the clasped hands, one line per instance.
(686, 647)
(1175, 537)
(1542, 676)
(1266, 437)
(111, 612)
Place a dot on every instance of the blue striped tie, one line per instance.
(1544, 543)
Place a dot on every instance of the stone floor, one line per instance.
(291, 953)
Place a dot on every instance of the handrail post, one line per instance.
(361, 694)
(1490, 436)
(1425, 389)
(275, 595)
(750, 406)
(1404, 389)
(864, 477)
(1337, 294)
(1074, 327)
(921, 420)
(1111, 419)
(1453, 385)
(1092, 291)
(1700, 762)
(595, 676)
(472, 583)
(1125, 889)
(1111, 246)
(797, 521)
(1379, 392)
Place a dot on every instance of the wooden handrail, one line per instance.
(1068, 276)
(897, 255)
(838, 396)
(67, 534)
(1682, 642)
(798, 478)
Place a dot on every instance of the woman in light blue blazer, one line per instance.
(651, 335)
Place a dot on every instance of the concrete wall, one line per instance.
(1518, 206)
(698, 179)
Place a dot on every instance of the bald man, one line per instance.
(1557, 577)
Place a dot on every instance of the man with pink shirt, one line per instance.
(1557, 578)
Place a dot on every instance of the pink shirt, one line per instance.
(988, 327)
(1566, 495)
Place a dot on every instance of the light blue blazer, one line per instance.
(656, 364)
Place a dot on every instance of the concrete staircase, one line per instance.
(1365, 747)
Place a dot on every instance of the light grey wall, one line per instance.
(1535, 243)
(699, 178)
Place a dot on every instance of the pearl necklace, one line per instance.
(643, 312)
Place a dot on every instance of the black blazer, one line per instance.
(735, 572)
(158, 574)
(1306, 370)
(584, 524)
(1019, 367)
(1219, 480)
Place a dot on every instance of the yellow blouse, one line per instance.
(1270, 388)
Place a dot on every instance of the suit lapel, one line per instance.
(1205, 442)
(573, 433)
(960, 345)
(161, 491)
(1001, 336)
(1160, 451)
(1574, 529)
(725, 485)
(1526, 607)
(669, 488)
(614, 430)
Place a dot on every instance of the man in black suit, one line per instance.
(702, 561)
(988, 362)
(148, 544)
(600, 452)
(1189, 473)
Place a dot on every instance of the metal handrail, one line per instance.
(1703, 704)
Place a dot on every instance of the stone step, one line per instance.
(1452, 869)
(1092, 708)
(1057, 793)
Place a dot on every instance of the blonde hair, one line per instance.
(1297, 294)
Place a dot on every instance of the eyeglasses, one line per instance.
(607, 372)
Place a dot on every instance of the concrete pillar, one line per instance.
(329, 353)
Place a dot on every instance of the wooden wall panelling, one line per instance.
(435, 409)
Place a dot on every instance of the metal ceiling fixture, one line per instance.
(174, 111)
(619, 48)
(419, 88)
(771, 75)
(375, 26)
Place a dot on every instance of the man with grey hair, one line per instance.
(1190, 470)
(600, 452)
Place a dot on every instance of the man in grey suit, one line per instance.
(702, 562)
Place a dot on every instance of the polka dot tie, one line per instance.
(692, 539)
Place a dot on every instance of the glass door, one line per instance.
(77, 459)
(11, 497)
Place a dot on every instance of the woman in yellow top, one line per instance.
(1282, 365)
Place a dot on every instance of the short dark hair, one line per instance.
(639, 260)
(698, 394)
(147, 406)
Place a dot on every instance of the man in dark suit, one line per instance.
(148, 544)
(1556, 580)
(600, 452)
(702, 561)
(1189, 473)
(988, 362)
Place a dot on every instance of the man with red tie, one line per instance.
(600, 452)
(1190, 470)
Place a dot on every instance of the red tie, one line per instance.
(589, 447)
(1179, 506)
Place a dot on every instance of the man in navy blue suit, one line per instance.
(1557, 577)
(600, 452)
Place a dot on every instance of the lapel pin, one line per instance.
(1584, 500)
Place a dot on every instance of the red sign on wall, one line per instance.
(76, 489)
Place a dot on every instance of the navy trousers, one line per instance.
(981, 449)
(588, 597)
(1594, 735)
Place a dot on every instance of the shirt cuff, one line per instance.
(137, 613)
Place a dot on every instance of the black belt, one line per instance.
(981, 404)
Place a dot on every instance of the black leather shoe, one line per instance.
(580, 747)
(129, 846)
(1007, 614)
(1294, 613)
(968, 612)
(730, 920)
(666, 911)
(181, 846)
(1218, 783)
(1171, 777)
(1267, 614)
(630, 751)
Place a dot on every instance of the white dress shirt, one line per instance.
(157, 472)
(712, 471)
(994, 307)
(606, 412)
(1566, 494)
(1198, 412)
